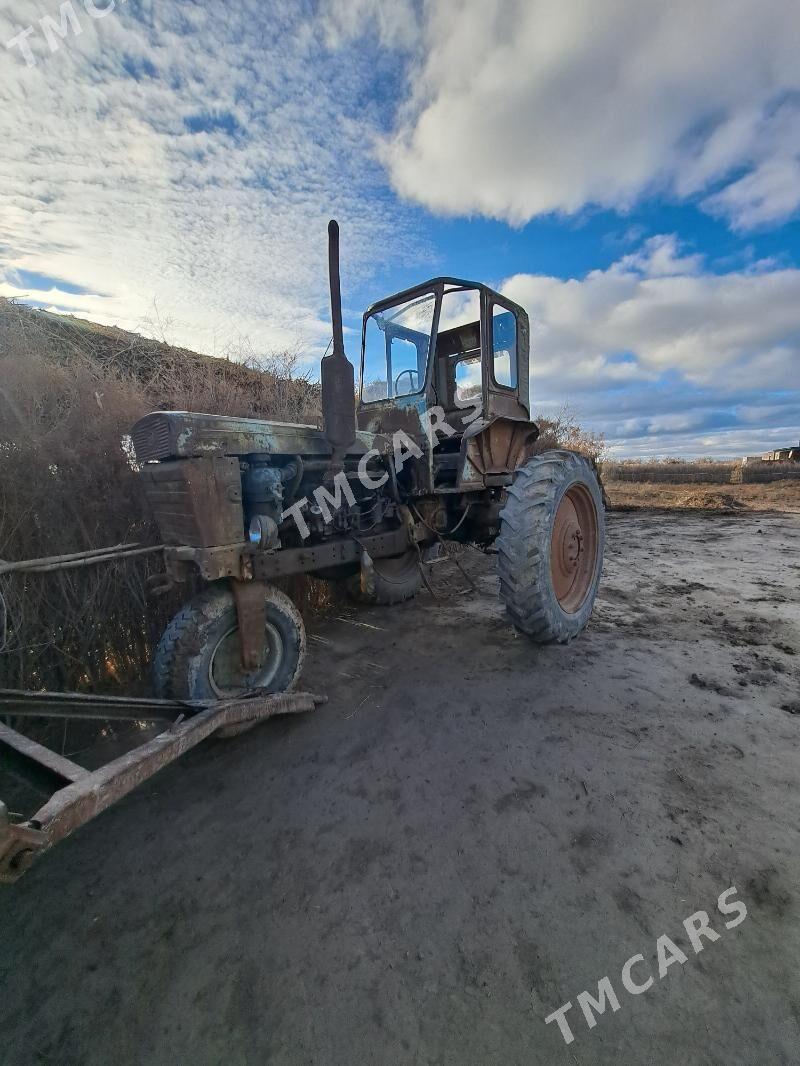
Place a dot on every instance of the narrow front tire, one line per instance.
(198, 657)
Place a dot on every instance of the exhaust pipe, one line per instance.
(338, 379)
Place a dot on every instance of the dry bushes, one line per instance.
(763, 473)
(670, 471)
(69, 393)
(699, 471)
(563, 431)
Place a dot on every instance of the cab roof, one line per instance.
(433, 285)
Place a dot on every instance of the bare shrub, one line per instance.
(564, 431)
(763, 473)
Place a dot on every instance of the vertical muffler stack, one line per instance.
(338, 383)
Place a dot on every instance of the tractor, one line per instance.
(436, 445)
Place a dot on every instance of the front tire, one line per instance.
(198, 656)
(550, 547)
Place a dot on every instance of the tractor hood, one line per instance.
(184, 435)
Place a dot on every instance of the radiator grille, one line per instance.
(151, 438)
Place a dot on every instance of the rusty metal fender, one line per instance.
(492, 451)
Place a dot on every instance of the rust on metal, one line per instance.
(242, 562)
(93, 792)
(75, 560)
(573, 548)
(496, 448)
(344, 550)
(51, 760)
(196, 501)
(88, 706)
(250, 612)
(165, 435)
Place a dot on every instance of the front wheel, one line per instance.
(198, 657)
(550, 548)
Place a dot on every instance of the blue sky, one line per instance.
(629, 171)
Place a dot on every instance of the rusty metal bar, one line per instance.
(58, 764)
(39, 566)
(7, 568)
(88, 706)
(268, 565)
(251, 614)
(82, 800)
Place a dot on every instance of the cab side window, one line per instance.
(504, 347)
(459, 342)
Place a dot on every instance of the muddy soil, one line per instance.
(473, 831)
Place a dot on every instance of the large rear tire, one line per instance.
(198, 657)
(550, 547)
(392, 581)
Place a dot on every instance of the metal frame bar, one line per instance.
(337, 551)
(87, 706)
(77, 559)
(92, 792)
(51, 760)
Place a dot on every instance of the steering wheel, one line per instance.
(411, 374)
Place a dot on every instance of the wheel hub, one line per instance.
(573, 550)
(225, 671)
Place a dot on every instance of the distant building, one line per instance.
(783, 455)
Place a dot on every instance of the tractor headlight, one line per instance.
(255, 532)
(263, 532)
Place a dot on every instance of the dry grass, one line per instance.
(760, 473)
(670, 471)
(69, 392)
(775, 496)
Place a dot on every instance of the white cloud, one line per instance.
(522, 107)
(770, 193)
(656, 348)
(722, 444)
(396, 23)
(660, 257)
(191, 154)
(715, 330)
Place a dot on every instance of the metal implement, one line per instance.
(87, 793)
(77, 559)
(85, 706)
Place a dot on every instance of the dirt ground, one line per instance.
(473, 831)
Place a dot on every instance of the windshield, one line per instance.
(397, 343)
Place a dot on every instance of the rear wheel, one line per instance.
(550, 548)
(390, 581)
(198, 657)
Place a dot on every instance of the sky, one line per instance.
(628, 171)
